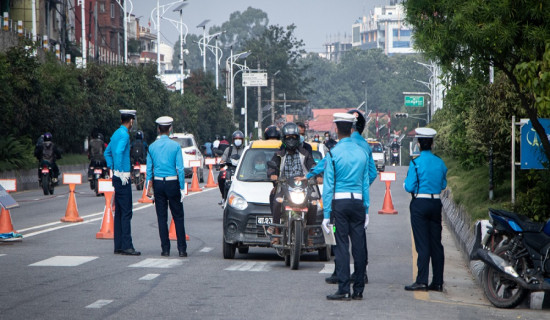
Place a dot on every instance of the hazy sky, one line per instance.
(317, 21)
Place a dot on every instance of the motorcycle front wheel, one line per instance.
(502, 292)
(295, 244)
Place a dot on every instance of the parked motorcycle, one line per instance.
(137, 176)
(46, 177)
(99, 171)
(516, 253)
(295, 237)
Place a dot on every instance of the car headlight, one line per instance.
(237, 201)
(297, 197)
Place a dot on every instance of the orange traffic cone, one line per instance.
(144, 198)
(5, 222)
(195, 182)
(387, 207)
(71, 214)
(172, 233)
(210, 182)
(107, 225)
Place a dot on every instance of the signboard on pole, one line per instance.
(414, 101)
(531, 151)
(257, 79)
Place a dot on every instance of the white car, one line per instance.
(190, 151)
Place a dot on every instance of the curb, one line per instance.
(463, 231)
(28, 179)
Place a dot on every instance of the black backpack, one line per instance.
(137, 150)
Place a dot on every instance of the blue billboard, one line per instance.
(531, 152)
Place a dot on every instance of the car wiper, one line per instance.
(255, 180)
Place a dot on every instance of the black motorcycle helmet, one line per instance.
(139, 134)
(360, 120)
(291, 136)
(272, 132)
(237, 135)
(100, 136)
(47, 136)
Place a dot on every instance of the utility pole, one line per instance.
(273, 99)
(83, 35)
(260, 113)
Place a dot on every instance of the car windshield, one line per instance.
(376, 148)
(184, 142)
(254, 165)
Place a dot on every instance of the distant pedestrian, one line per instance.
(165, 171)
(117, 156)
(426, 178)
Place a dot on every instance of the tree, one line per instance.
(463, 34)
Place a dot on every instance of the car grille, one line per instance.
(252, 230)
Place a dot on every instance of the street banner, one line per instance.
(531, 151)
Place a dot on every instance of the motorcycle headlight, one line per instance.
(297, 197)
(238, 202)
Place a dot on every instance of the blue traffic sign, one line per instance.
(531, 151)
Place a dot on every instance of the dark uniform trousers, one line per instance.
(426, 227)
(349, 218)
(123, 215)
(167, 193)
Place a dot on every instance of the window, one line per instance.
(254, 165)
(184, 142)
(102, 7)
(401, 33)
(112, 10)
(401, 44)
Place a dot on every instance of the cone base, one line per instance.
(195, 189)
(211, 185)
(387, 212)
(73, 219)
(104, 235)
(174, 238)
(146, 200)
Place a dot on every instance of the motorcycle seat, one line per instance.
(526, 224)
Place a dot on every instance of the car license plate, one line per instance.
(264, 220)
(98, 171)
(45, 170)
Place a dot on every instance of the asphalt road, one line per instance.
(61, 271)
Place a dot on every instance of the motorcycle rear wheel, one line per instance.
(502, 292)
(46, 184)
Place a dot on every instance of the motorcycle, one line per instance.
(46, 177)
(516, 253)
(137, 176)
(296, 237)
(228, 171)
(99, 171)
(394, 159)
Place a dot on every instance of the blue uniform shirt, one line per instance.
(432, 174)
(352, 174)
(358, 139)
(318, 169)
(117, 153)
(165, 160)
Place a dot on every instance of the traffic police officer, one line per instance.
(165, 169)
(345, 192)
(117, 156)
(426, 178)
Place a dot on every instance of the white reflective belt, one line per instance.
(171, 178)
(427, 196)
(347, 195)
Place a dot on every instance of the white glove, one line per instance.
(366, 221)
(124, 176)
(182, 191)
(325, 225)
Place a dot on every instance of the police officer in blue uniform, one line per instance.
(345, 193)
(165, 170)
(426, 178)
(117, 156)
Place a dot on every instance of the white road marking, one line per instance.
(329, 268)
(149, 276)
(99, 304)
(206, 249)
(63, 261)
(157, 263)
(250, 266)
(2, 254)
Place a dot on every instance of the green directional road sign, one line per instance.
(414, 101)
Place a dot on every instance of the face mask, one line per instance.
(238, 142)
(259, 166)
(302, 139)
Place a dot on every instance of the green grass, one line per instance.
(470, 188)
(73, 158)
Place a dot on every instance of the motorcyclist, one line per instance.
(47, 152)
(316, 138)
(236, 148)
(138, 149)
(223, 145)
(95, 153)
(272, 132)
(291, 161)
(394, 149)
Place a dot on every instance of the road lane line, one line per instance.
(157, 263)
(63, 261)
(206, 249)
(149, 276)
(2, 254)
(99, 304)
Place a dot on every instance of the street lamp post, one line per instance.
(214, 49)
(230, 62)
(273, 96)
(179, 25)
(203, 51)
(164, 8)
(125, 21)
